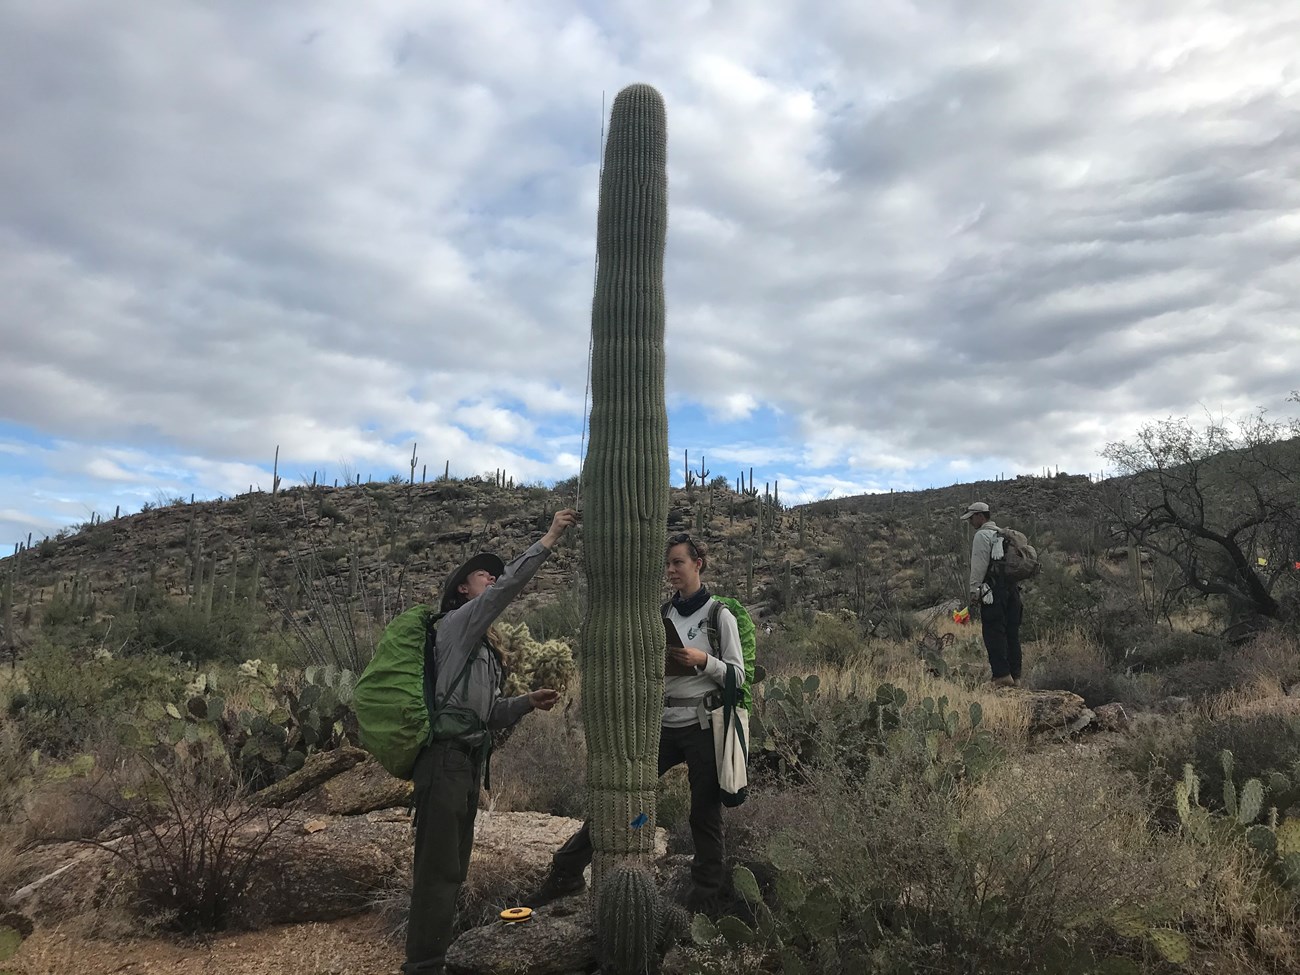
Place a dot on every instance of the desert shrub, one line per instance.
(1270, 662)
(64, 797)
(190, 843)
(566, 488)
(1117, 623)
(15, 770)
(1043, 869)
(1079, 666)
(1262, 745)
(1161, 647)
(193, 633)
(330, 510)
(539, 765)
(1056, 603)
(71, 694)
(837, 557)
(330, 556)
(1200, 678)
(66, 619)
(822, 639)
(560, 619)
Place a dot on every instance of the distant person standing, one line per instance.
(994, 597)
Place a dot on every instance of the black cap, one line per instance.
(484, 560)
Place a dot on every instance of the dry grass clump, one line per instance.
(1074, 662)
(1004, 714)
(542, 766)
(1069, 848)
(1241, 916)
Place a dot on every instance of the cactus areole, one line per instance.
(625, 486)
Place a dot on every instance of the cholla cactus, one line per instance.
(626, 484)
(532, 665)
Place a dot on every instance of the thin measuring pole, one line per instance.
(591, 335)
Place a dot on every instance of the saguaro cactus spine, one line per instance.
(626, 490)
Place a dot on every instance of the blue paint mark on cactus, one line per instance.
(640, 821)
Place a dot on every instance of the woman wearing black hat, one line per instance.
(449, 770)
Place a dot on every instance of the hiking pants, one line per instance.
(446, 801)
(694, 746)
(1001, 624)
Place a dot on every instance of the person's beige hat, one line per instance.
(976, 508)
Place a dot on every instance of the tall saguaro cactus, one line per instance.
(625, 481)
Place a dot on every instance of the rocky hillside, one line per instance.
(381, 547)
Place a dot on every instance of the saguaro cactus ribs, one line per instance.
(626, 488)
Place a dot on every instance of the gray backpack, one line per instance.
(1019, 559)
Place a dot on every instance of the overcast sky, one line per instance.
(919, 244)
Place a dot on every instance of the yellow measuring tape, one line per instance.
(514, 914)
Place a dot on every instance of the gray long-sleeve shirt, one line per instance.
(461, 633)
(982, 553)
(713, 675)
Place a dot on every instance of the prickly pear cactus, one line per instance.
(625, 485)
(627, 921)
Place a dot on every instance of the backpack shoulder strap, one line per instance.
(711, 627)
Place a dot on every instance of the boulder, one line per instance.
(1054, 711)
(558, 938)
(555, 941)
(327, 867)
(1113, 717)
(309, 869)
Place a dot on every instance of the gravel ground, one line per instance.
(354, 946)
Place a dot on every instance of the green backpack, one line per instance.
(398, 711)
(748, 643)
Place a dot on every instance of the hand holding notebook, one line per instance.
(672, 668)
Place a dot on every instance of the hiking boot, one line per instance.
(702, 900)
(558, 883)
(1006, 680)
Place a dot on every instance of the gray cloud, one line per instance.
(990, 238)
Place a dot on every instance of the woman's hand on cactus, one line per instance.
(562, 522)
(543, 699)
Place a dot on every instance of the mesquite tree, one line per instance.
(1222, 504)
(625, 479)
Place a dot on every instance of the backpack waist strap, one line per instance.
(710, 701)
